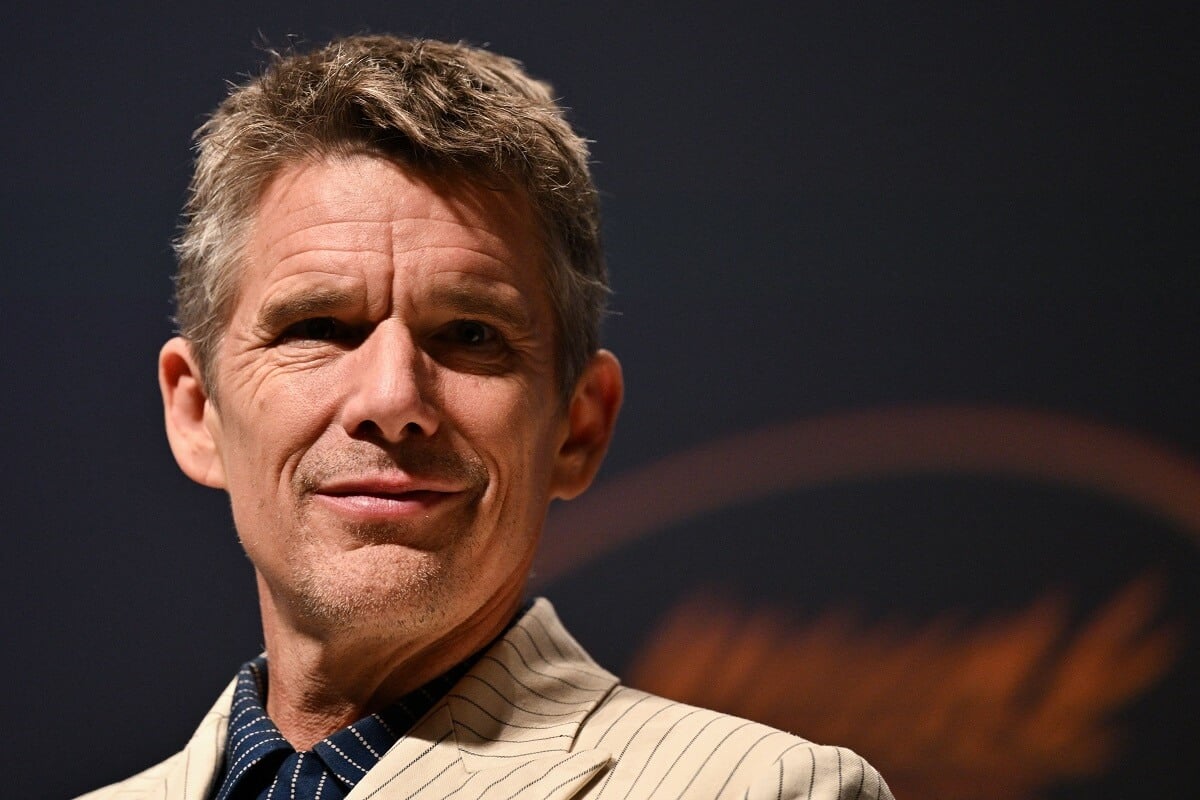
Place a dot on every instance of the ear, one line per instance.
(591, 418)
(192, 423)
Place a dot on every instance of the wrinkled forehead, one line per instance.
(373, 189)
(483, 200)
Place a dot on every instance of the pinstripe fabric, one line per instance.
(537, 719)
(262, 765)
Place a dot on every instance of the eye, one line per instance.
(470, 332)
(321, 329)
(468, 345)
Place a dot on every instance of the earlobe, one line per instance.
(190, 418)
(591, 418)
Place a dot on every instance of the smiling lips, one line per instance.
(385, 497)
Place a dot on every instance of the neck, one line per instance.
(323, 681)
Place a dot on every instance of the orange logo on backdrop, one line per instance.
(1002, 708)
(997, 709)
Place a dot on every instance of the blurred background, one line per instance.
(906, 297)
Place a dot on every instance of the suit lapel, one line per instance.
(191, 773)
(507, 727)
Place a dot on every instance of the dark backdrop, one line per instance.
(826, 215)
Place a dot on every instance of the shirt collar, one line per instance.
(255, 749)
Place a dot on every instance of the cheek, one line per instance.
(279, 401)
(263, 444)
(519, 451)
(509, 426)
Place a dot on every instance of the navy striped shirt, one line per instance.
(261, 765)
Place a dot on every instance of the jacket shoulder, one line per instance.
(188, 773)
(147, 783)
(662, 748)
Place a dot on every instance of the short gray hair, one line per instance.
(445, 108)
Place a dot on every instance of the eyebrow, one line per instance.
(474, 302)
(285, 310)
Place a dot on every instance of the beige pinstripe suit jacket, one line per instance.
(537, 718)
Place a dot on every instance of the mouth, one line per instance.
(380, 500)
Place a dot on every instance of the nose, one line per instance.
(389, 387)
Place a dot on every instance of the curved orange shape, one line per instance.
(1052, 447)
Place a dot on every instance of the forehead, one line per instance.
(356, 203)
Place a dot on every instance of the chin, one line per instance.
(405, 591)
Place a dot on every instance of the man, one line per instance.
(389, 293)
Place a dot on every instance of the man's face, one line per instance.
(386, 419)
